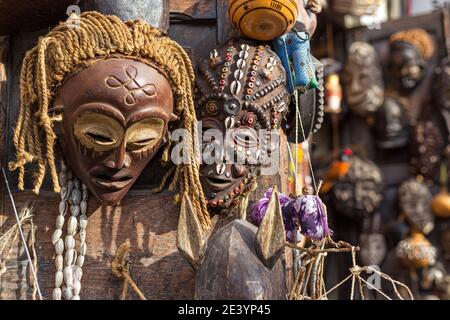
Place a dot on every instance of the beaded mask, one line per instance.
(415, 203)
(242, 97)
(363, 79)
(359, 191)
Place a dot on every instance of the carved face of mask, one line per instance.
(373, 248)
(372, 241)
(115, 118)
(392, 129)
(363, 79)
(359, 192)
(415, 203)
(406, 64)
(241, 100)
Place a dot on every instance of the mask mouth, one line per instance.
(114, 182)
(217, 183)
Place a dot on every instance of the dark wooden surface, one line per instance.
(232, 270)
(31, 15)
(150, 222)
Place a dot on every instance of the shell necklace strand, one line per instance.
(68, 261)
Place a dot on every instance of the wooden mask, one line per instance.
(241, 91)
(363, 79)
(115, 118)
(410, 51)
(360, 191)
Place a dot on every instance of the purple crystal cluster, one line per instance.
(306, 214)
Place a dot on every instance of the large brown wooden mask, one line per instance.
(241, 91)
(115, 118)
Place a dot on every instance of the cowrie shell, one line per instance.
(83, 207)
(64, 193)
(281, 107)
(245, 47)
(68, 276)
(58, 279)
(83, 221)
(235, 87)
(75, 210)
(59, 246)
(62, 207)
(56, 235)
(85, 194)
(67, 293)
(220, 168)
(76, 196)
(83, 249)
(72, 225)
(62, 178)
(243, 55)
(69, 242)
(78, 274)
(80, 261)
(238, 74)
(240, 64)
(69, 257)
(76, 286)
(59, 222)
(59, 260)
(229, 122)
(56, 294)
(213, 54)
(82, 235)
(69, 186)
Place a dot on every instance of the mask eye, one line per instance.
(144, 135)
(97, 131)
(100, 138)
(142, 140)
(245, 137)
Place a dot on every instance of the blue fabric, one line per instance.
(294, 51)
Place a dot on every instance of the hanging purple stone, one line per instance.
(258, 210)
(306, 213)
(311, 214)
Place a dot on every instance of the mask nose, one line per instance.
(119, 159)
(239, 170)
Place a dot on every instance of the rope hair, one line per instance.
(67, 48)
(418, 38)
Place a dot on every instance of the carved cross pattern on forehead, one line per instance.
(131, 86)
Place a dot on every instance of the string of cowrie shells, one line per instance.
(68, 261)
